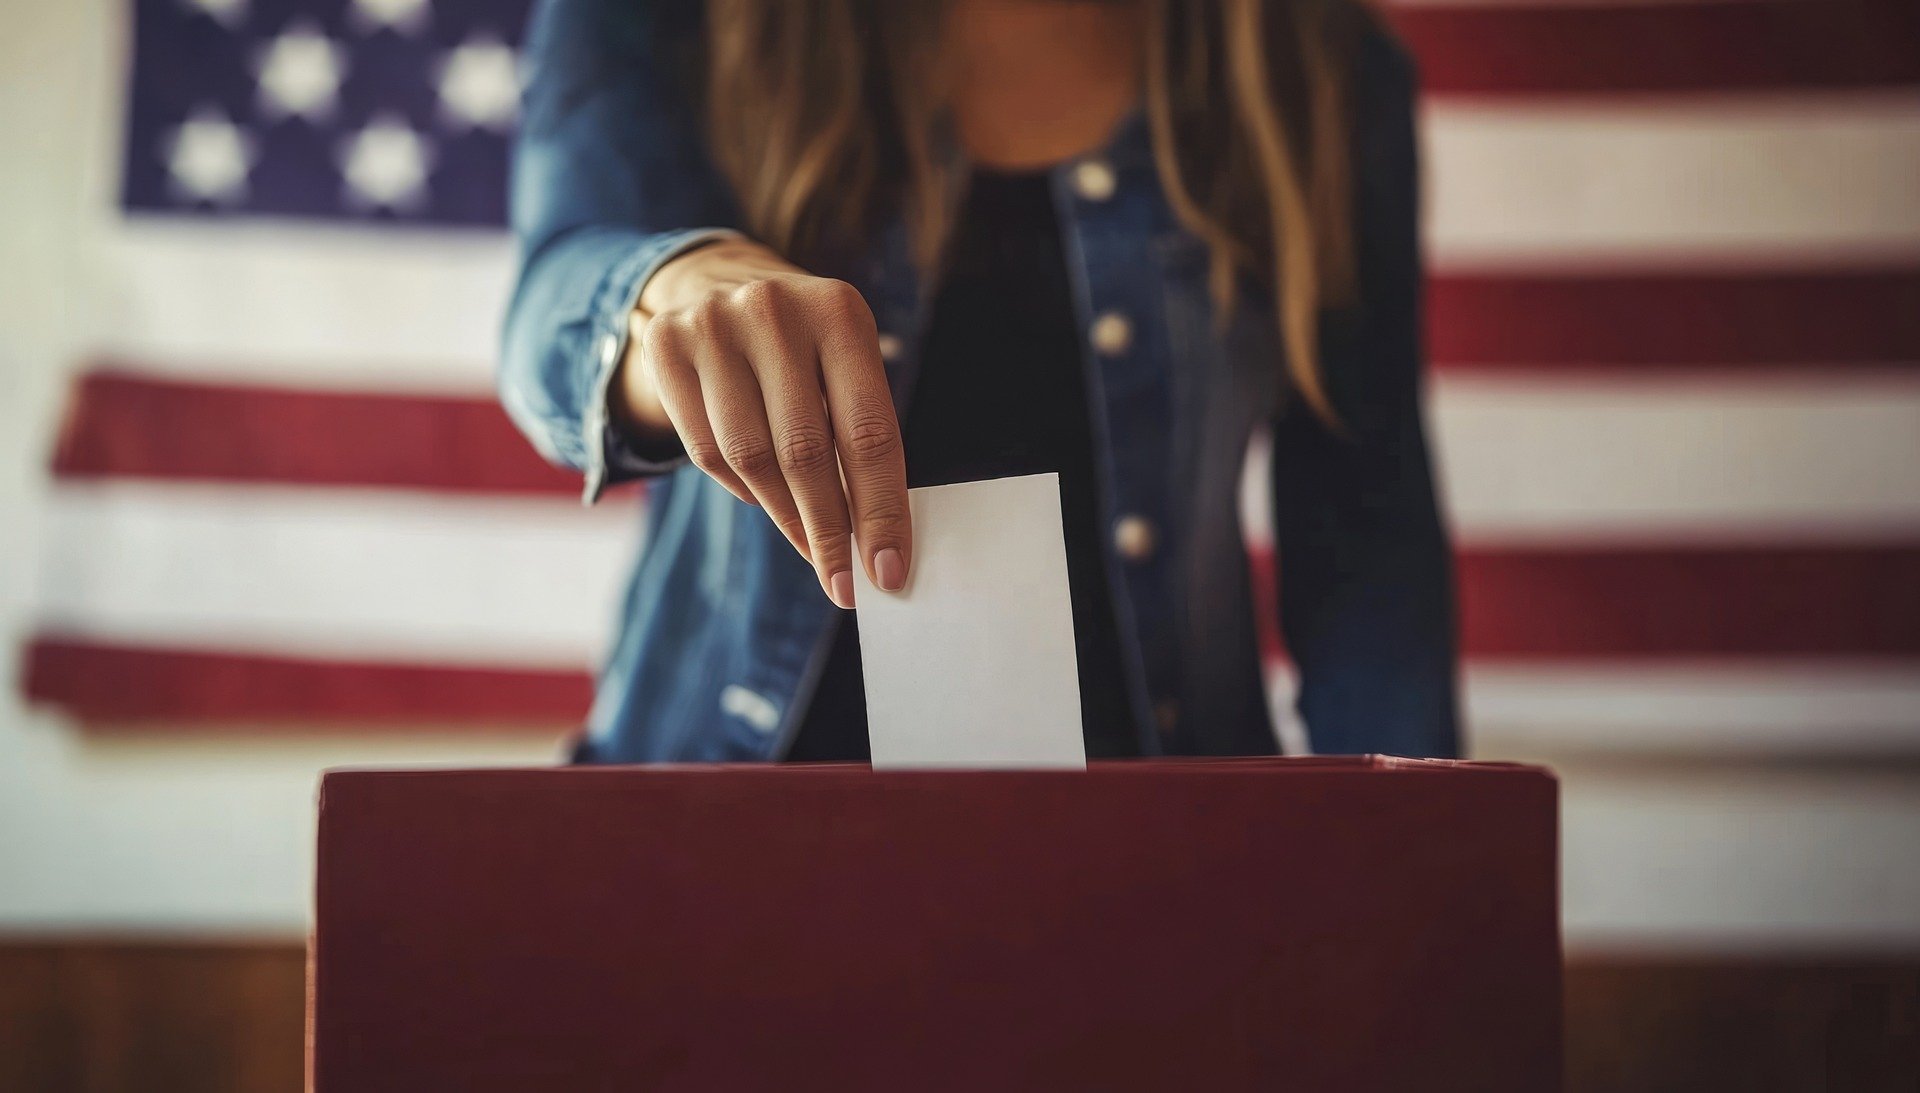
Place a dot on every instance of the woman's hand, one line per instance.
(771, 379)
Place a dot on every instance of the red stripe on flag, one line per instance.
(115, 684)
(1651, 319)
(123, 425)
(1728, 46)
(1572, 604)
(1756, 601)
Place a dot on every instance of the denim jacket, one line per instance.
(724, 629)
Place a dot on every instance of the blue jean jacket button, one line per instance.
(1134, 537)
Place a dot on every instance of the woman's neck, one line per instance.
(1039, 81)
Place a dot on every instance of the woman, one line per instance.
(788, 258)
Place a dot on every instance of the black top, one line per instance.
(1001, 391)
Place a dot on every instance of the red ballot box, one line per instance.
(1301, 924)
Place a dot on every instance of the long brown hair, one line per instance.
(823, 117)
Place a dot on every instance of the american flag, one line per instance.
(1674, 318)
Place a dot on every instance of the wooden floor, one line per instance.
(154, 1018)
(95, 1018)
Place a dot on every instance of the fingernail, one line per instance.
(840, 589)
(890, 570)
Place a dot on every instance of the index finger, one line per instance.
(867, 434)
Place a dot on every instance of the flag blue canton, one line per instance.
(383, 110)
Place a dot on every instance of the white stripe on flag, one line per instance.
(1785, 458)
(1670, 182)
(362, 575)
(1781, 707)
(356, 308)
(1771, 709)
(1776, 459)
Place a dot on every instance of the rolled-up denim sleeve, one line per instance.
(1365, 570)
(611, 180)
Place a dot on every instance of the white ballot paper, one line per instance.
(972, 664)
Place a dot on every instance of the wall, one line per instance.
(209, 835)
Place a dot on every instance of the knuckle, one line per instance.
(705, 455)
(805, 450)
(829, 543)
(707, 320)
(659, 340)
(840, 301)
(872, 437)
(883, 517)
(760, 301)
(829, 559)
(751, 457)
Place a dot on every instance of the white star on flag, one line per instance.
(300, 74)
(401, 15)
(480, 84)
(209, 157)
(386, 164)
